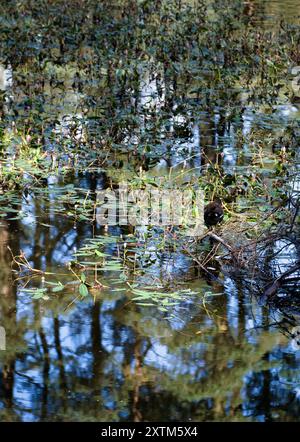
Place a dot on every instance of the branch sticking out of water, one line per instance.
(272, 288)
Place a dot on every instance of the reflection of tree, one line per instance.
(97, 349)
(46, 370)
(8, 312)
(60, 362)
(220, 379)
(146, 387)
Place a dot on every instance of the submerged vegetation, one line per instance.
(182, 94)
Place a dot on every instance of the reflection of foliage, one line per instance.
(104, 63)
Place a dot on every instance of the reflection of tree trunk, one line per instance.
(216, 358)
(46, 370)
(36, 258)
(62, 375)
(8, 301)
(8, 382)
(46, 360)
(266, 393)
(209, 153)
(135, 350)
(265, 398)
(97, 349)
(137, 416)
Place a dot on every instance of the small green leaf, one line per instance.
(100, 254)
(58, 288)
(83, 290)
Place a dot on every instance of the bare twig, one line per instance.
(272, 288)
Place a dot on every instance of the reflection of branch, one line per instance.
(29, 379)
(275, 285)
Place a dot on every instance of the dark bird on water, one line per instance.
(213, 213)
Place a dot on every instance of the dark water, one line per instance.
(222, 357)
